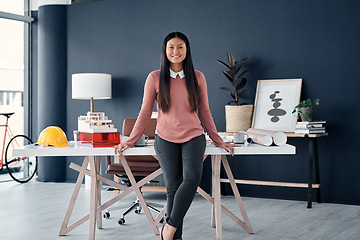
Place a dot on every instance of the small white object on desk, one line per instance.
(240, 137)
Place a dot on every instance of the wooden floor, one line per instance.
(35, 211)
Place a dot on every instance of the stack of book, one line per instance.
(310, 127)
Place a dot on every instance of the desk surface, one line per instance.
(310, 135)
(252, 149)
(288, 134)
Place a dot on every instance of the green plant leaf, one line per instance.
(228, 89)
(231, 73)
(301, 104)
(241, 83)
(224, 64)
(231, 78)
(231, 59)
(242, 92)
(242, 61)
(237, 67)
(231, 93)
(245, 71)
(236, 82)
(317, 102)
(308, 103)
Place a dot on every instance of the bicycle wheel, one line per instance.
(20, 168)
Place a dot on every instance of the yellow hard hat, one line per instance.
(53, 136)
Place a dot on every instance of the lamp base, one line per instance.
(91, 104)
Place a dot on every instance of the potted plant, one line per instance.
(306, 109)
(238, 116)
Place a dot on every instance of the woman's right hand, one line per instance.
(121, 148)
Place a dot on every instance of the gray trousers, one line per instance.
(182, 165)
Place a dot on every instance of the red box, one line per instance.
(98, 139)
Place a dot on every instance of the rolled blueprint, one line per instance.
(279, 138)
(265, 140)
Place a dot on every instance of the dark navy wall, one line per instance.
(315, 40)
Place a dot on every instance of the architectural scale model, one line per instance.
(95, 122)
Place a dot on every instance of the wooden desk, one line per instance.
(218, 157)
(93, 158)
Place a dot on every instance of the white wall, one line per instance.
(35, 4)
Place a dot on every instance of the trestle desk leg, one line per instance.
(217, 195)
(116, 178)
(93, 198)
(247, 225)
(64, 227)
(98, 192)
(138, 194)
(213, 194)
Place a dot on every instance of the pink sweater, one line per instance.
(178, 124)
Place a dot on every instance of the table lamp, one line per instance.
(91, 86)
(95, 128)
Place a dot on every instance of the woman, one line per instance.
(181, 96)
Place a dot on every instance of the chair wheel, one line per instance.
(138, 211)
(121, 221)
(106, 215)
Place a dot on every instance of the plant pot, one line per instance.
(307, 113)
(238, 118)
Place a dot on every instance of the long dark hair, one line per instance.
(192, 86)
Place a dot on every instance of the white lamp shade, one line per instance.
(91, 85)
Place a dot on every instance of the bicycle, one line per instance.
(20, 168)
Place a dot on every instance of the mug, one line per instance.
(142, 141)
(240, 137)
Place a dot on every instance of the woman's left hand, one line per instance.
(228, 147)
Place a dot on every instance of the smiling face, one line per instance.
(176, 53)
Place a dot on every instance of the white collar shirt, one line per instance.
(174, 74)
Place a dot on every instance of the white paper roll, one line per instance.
(279, 138)
(265, 140)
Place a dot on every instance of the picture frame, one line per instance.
(274, 102)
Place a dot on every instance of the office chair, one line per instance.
(141, 166)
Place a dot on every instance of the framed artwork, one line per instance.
(274, 102)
